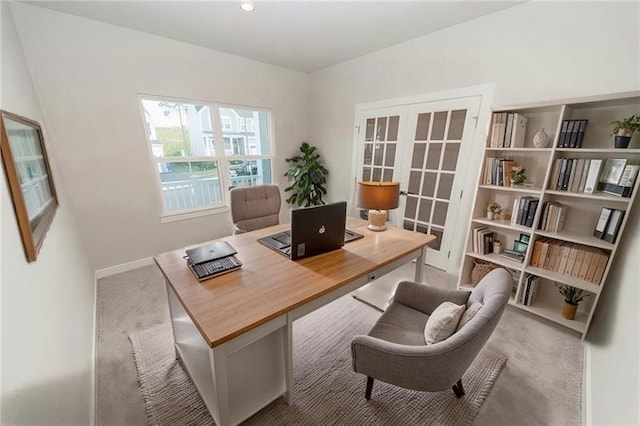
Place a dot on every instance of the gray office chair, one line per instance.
(395, 351)
(254, 207)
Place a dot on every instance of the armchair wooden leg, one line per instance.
(367, 393)
(458, 389)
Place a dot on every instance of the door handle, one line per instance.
(405, 193)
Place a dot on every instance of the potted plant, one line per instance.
(572, 297)
(517, 175)
(622, 130)
(308, 175)
(492, 209)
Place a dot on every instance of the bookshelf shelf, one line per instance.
(622, 152)
(498, 260)
(520, 189)
(577, 237)
(564, 279)
(504, 224)
(520, 149)
(600, 196)
(550, 311)
(580, 211)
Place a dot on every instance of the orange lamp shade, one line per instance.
(378, 195)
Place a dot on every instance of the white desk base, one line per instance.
(240, 377)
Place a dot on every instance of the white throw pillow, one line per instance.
(469, 313)
(442, 322)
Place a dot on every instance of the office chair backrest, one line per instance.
(255, 207)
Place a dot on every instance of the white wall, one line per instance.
(537, 51)
(47, 306)
(88, 74)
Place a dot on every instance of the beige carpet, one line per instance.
(326, 390)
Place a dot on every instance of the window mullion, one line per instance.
(223, 166)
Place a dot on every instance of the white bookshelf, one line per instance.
(583, 209)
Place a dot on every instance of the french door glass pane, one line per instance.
(368, 153)
(392, 132)
(378, 153)
(445, 186)
(417, 160)
(366, 173)
(440, 213)
(387, 175)
(381, 129)
(456, 124)
(246, 131)
(422, 128)
(390, 156)
(439, 124)
(451, 152)
(189, 184)
(429, 184)
(371, 126)
(433, 159)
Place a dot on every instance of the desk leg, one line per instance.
(173, 316)
(420, 265)
(288, 359)
(218, 360)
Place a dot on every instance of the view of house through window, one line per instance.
(202, 150)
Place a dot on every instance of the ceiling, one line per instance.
(301, 35)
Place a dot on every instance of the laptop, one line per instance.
(212, 260)
(314, 230)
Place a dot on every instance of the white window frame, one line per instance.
(221, 158)
(226, 124)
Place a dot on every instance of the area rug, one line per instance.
(326, 391)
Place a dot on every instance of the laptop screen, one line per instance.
(317, 229)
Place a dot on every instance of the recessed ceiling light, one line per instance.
(247, 6)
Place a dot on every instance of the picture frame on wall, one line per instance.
(26, 166)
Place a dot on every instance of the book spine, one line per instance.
(583, 128)
(574, 134)
(563, 133)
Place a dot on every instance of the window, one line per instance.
(226, 123)
(198, 157)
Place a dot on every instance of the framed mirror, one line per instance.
(29, 177)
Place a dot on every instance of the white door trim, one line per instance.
(469, 188)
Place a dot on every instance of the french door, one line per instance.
(426, 147)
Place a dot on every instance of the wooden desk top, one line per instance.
(269, 285)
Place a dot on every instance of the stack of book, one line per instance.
(572, 133)
(575, 260)
(497, 171)
(575, 175)
(552, 217)
(608, 224)
(483, 240)
(519, 249)
(507, 130)
(524, 210)
(529, 290)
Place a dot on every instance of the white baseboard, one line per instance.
(123, 267)
(586, 387)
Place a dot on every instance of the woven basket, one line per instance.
(480, 269)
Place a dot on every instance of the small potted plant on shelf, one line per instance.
(492, 209)
(517, 175)
(572, 297)
(622, 130)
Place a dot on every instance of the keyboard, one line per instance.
(283, 237)
(214, 268)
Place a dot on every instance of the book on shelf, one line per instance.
(570, 259)
(519, 130)
(552, 217)
(581, 131)
(483, 240)
(613, 227)
(593, 175)
(529, 290)
(572, 133)
(507, 130)
(603, 221)
(524, 210)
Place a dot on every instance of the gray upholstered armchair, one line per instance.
(254, 207)
(395, 351)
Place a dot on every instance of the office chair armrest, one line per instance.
(426, 298)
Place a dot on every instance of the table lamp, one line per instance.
(378, 197)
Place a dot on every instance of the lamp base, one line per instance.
(377, 220)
